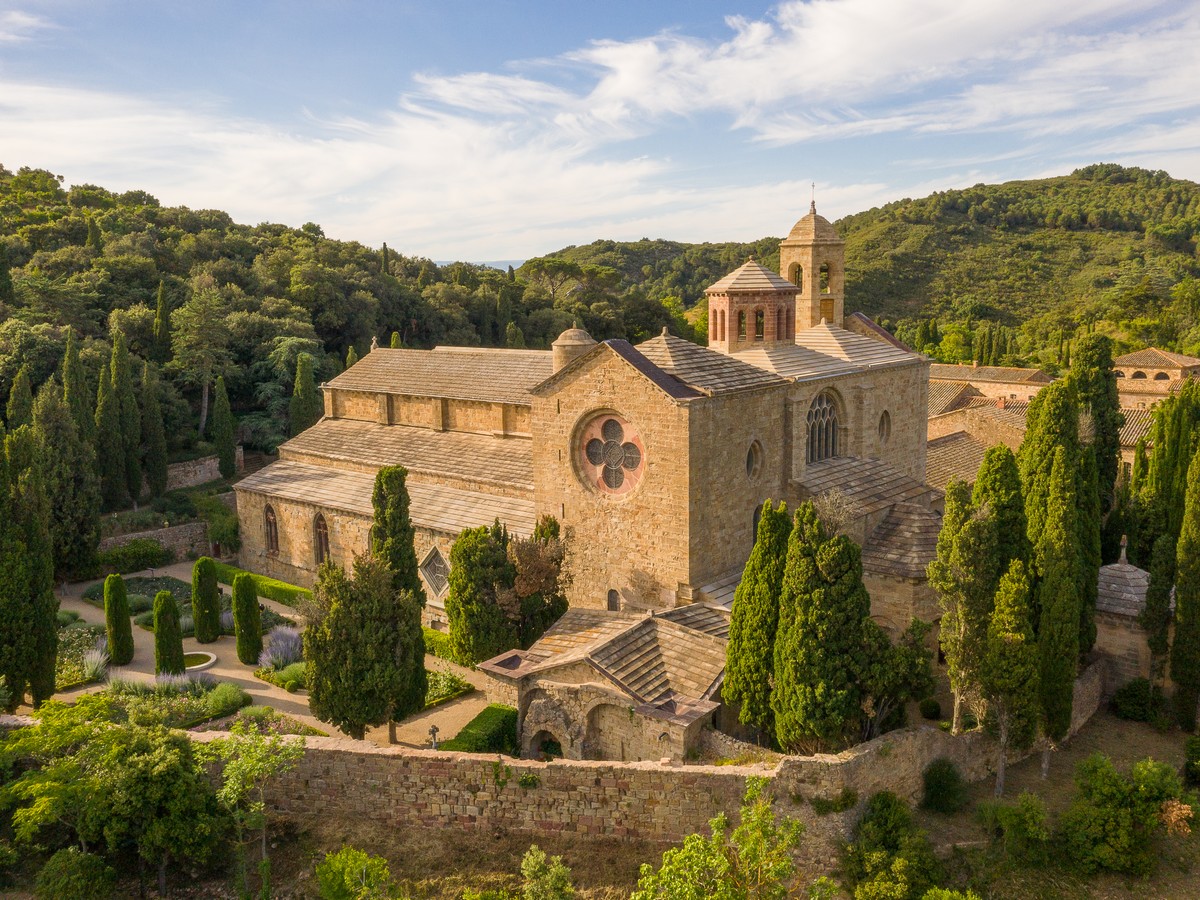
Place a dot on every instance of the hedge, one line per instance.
(437, 643)
(135, 555)
(492, 731)
(270, 588)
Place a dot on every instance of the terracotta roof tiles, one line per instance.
(1003, 374)
(752, 277)
(703, 369)
(1153, 358)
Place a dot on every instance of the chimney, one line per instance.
(974, 364)
(1000, 403)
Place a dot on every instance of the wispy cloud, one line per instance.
(16, 26)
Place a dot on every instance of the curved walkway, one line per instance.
(414, 731)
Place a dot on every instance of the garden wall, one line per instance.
(186, 541)
(197, 471)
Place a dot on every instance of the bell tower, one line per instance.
(750, 307)
(813, 258)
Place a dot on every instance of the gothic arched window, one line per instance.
(822, 428)
(760, 325)
(320, 539)
(272, 529)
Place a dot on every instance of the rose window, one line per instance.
(612, 454)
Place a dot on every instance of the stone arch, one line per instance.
(320, 538)
(825, 278)
(1118, 373)
(540, 714)
(823, 422)
(795, 274)
(741, 324)
(760, 324)
(1138, 375)
(271, 524)
(1162, 376)
(544, 743)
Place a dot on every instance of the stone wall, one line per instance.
(197, 471)
(187, 541)
(981, 425)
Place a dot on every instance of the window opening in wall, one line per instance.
(822, 428)
(272, 529)
(885, 427)
(754, 460)
(760, 324)
(796, 275)
(1139, 374)
(825, 278)
(614, 600)
(436, 572)
(320, 539)
(742, 326)
(1162, 376)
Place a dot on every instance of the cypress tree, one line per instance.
(1088, 522)
(247, 621)
(1096, 382)
(1010, 668)
(1140, 464)
(1185, 652)
(154, 435)
(20, 401)
(131, 416)
(1053, 422)
(351, 356)
(15, 607)
(1156, 615)
(75, 391)
(396, 343)
(392, 530)
(1058, 602)
(998, 490)
(94, 242)
(306, 406)
(750, 653)
(385, 266)
(223, 430)
(68, 473)
(8, 295)
(109, 444)
(162, 326)
(116, 621)
(479, 565)
(206, 600)
(168, 638)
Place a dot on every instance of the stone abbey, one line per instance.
(655, 458)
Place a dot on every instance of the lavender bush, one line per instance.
(284, 646)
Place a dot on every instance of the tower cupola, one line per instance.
(750, 307)
(813, 258)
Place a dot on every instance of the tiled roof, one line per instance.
(813, 227)
(720, 592)
(1138, 423)
(904, 543)
(701, 617)
(869, 484)
(947, 396)
(1122, 589)
(1006, 374)
(751, 277)
(1153, 358)
(473, 457)
(859, 350)
(861, 323)
(459, 373)
(703, 369)
(664, 381)
(957, 455)
(1013, 413)
(794, 362)
(439, 508)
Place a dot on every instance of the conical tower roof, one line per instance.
(751, 277)
(814, 229)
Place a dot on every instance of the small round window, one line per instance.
(885, 427)
(611, 456)
(754, 458)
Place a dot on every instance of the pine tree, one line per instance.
(8, 295)
(306, 406)
(819, 648)
(116, 621)
(75, 391)
(247, 620)
(109, 444)
(1053, 422)
(1088, 522)
(223, 430)
(206, 600)
(68, 471)
(154, 435)
(1096, 382)
(20, 401)
(162, 326)
(998, 490)
(1155, 618)
(200, 341)
(1058, 602)
(364, 647)
(351, 356)
(750, 653)
(1009, 675)
(168, 638)
(392, 530)
(1185, 652)
(130, 416)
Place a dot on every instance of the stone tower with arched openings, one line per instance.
(813, 258)
(750, 307)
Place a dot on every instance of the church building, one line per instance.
(655, 458)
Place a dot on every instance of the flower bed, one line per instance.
(80, 660)
(176, 701)
(444, 686)
(265, 720)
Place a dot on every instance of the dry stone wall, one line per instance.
(186, 541)
(197, 471)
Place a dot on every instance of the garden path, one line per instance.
(414, 732)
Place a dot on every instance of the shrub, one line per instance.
(931, 709)
(222, 522)
(442, 685)
(247, 624)
(71, 874)
(69, 664)
(95, 664)
(945, 790)
(116, 621)
(66, 617)
(284, 647)
(135, 555)
(206, 600)
(140, 603)
(846, 800)
(437, 643)
(187, 626)
(351, 874)
(145, 620)
(293, 677)
(168, 640)
(226, 699)
(492, 731)
(890, 857)
(1023, 826)
(227, 623)
(1136, 701)
(270, 588)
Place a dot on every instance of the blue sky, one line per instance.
(499, 130)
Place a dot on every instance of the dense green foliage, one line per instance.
(1155, 617)
(19, 410)
(437, 643)
(889, 858)
(494, 730)
(351, 874)
(306, 406)
(270, 588)
(479, 570)
(168, 639)
(998, 490)
(223, 431)
(133, 556)
(1158, 502)
(247, 623)
(1052, 423)
(1185, 651)
(110, 447)
(154, 435)
(1058, 601)
(392, 530)
(116, 621)
(206, 600)
(944, 789)
(71, 874)
(129, 415)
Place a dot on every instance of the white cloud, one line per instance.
(16, 26)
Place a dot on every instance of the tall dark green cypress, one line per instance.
(306, 406)
(76, 395)
(206, 600)
(392, 530)
(479, 563)
(116, 621)
(8, 295)
(162, 326)
(131, 416)
(998, 490)
(31, 508)
(109, 444)
(1058, 600)
(247, 620)
(750, 653)
(1053, 422)
(20, 401)
(223, 430)
(168, 637)
(154, 435)
(385, 266)
(1096, 382)
(1185, 652)
(14, 594)
(1088, 522)
(95, 242)
(1155, 618)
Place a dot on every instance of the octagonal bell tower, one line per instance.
(813, 258)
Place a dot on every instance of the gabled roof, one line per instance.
(752, 278)
(957, 455)
(702, 369)
(947, 396)
(869, 484)
(793, 362)
(1153, 358)
(861, 351)
(664, 381)
(1002, 374)
(904, 543)
(861, 323)
(1138, 423)
(457, 373)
